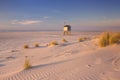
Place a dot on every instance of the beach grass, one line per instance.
(36, 45)
(53, 43)
(81, 39)
(109, 38)
(27, 64)
(26, 46)
(64, 40)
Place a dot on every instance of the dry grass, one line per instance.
(53, 43)
(26, 46)
(114, 38)
(108, 38)
(36, 45)
(27, 64)
(81, 39)
(64, 40)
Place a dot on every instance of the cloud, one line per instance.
(26, 22)
(45, 17)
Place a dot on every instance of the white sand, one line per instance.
(67, 61)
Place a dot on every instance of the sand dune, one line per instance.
(67, 61)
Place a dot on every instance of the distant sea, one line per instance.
(29, 30)
(45, 31)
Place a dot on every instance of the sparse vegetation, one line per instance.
(27, 64)
(104, 39)
(53, 43)
(108, 38)
(36, 45)
(26, 46)
(64, 40)
(81, 39)
(114, 38)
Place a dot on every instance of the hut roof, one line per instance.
(67, 26)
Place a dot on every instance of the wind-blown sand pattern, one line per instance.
(67, 61)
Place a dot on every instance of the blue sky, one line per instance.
(51, 14)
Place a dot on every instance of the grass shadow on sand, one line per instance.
(10, 57)
(2, 65)
(50, 64)
(67, 44)
(37, 47)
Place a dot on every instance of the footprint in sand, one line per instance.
(116, 69)
(116, 61)
(14, 50)
(116, 64)
(110, 76)
(88, 66)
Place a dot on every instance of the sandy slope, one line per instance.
(67, 61)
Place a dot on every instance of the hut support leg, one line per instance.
(64, 33)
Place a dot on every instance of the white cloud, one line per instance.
(26, 22)
(45, 17)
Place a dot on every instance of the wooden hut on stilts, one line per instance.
(67, 30)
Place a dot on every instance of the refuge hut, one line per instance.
(67, 30)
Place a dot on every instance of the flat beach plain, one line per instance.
(70, 60)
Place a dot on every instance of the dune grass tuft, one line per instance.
(81, 39)
(114, 38)
(26, 46)
(36, 45)
(53, 43)
(27, 64)
(64, 40)
(108, 38)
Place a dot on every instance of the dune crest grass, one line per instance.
(53, 43)
(26, 46)
(109, 38)
(81, 39)
(64, 40)
(36, 45)
(27, 64)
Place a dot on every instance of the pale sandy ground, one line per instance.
(67, 61)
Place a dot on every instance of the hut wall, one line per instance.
(65, 28)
